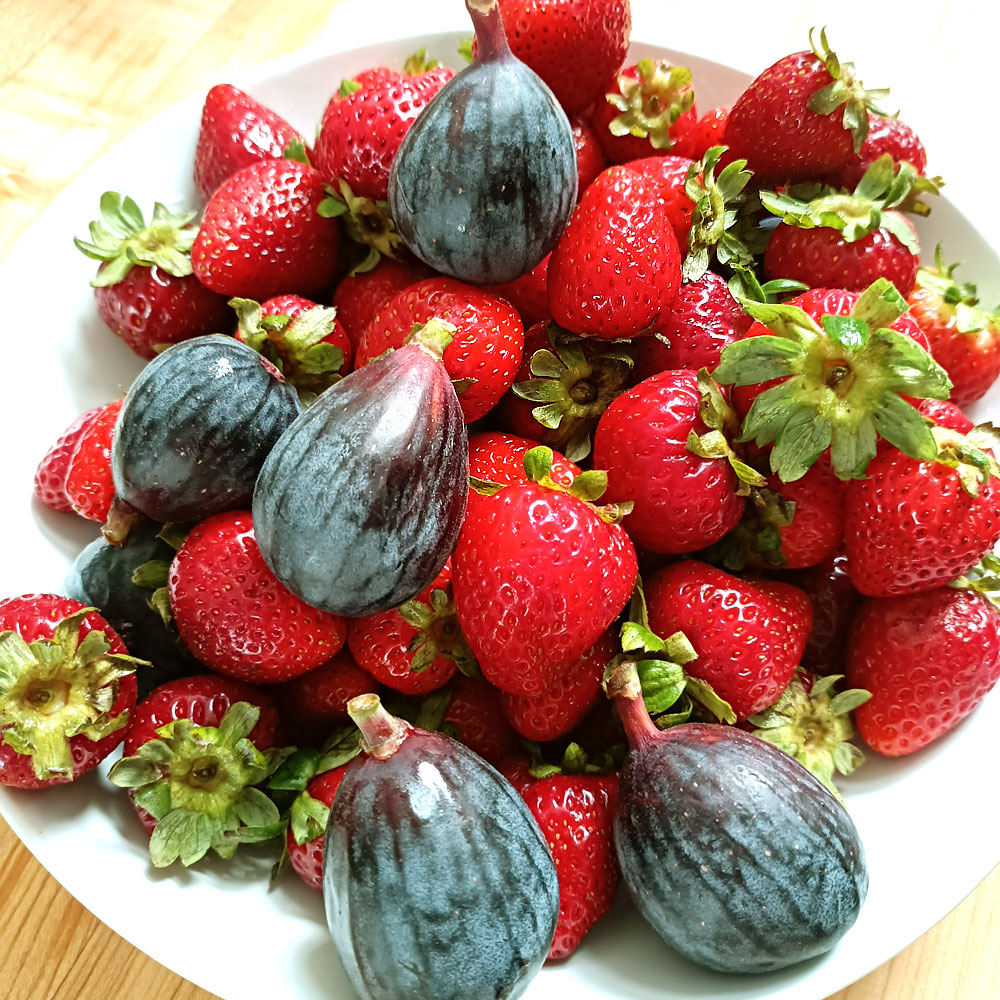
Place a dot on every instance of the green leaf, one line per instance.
(546, 364)
(348, 87)
(805, 437)
(703, 692)
(662, 684)
(254, 808)
(151, 575)
(538, 463)
(590, 485)
(308, 818)
(331, 207)
(465, 49)
(784, 320)
(848, 331)
(133, 772)
(180, 834)
(848, 701)
(880, 304)
(296, 771)
(296, 150)
(238, 722)
(903, 426)
(635, 636)
(758, 359)
(852, 448)
(155, 799)
(484, 487)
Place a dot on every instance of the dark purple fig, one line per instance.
(359, 505)
(485, 180)
(196, 427)
(733, 852)
(438, 883)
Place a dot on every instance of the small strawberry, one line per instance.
(885, 135)
(90, 489)
(236, 131)
(671, 173)
(709, 130)
(486, 346)
(145, 289)
(474, 713)
(539, 574)
(417, 647)
(50, 475)
(590, 158)
(928, 660)
(233, 613)
(616, 268)
(67, 690)
(262, 234)
(802, 118)
(964, 339)
(306, 857)
(529, 294)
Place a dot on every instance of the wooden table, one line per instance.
(76, 76)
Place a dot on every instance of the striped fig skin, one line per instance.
(733, 852)
(437, 881)
(196, 427)
(360, 503)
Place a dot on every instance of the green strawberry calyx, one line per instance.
(587, 487)
(757, 538)
(843, 382)
(983, 578)
(970, 455)
(419, 63)
(365, 221)
(845, 90)
(52, 690)
(651, 102)
(958, 299)
(438, 632)
(575, 761)
(813, 725)
(576, 379)
(123, 240)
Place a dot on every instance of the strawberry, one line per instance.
(415, 648)
(529, 294)
(616, 268)
(590, 158)
(362, 131)
(474, 713)
(67, 690)
(539, 574)
(486, 346)
(685, 494)
(233, 613)
(646, 108)
(307, 857)
(564, 703)
(236, 131)
(928, 660)
(707, 132)
(192, 764)
(145, 290)
(89, 486)
(50, 475)
(748, 642)
(885, 135)
(671, 173)
(964, 339)
(262, 234)
(802, 118)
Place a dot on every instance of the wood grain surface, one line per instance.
(76, 76)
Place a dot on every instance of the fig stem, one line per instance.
(488, 23)
(381, 733)
(623, 686)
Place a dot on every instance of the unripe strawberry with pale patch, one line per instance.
(90, 488)
(50, 475)
(236, 616)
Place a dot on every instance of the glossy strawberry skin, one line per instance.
(50, 475)
(529, 294)
(293, 306)
(885, 135)
(748, 642)
(361, 133)
(682, 502)
(268, 211)
(235, 131)
(307, 858)
(89, 485)
(708, 131)
(233, 613)
(670, 172)
(475, 712)
(538, 576)
(590, 158)
(928, 660)
(487, 346)
(36, 616)
(616, 269)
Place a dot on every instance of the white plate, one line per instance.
(928, 827)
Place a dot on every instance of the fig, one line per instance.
(437, 881)
(359, 505)
(486, 179)
(733, 852)
(196, 427)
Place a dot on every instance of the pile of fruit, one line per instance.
(532, 481)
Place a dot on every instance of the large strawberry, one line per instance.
(235, 616)
(67, 690)
(145, 289)
(671, 173)
(485, 348)
(616, 269)
(928, 660)
(50, 475)
(539, 574)
(262, 234)
(90, 489)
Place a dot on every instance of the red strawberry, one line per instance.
(683, 499)
(646, 108)
(748, 642)
(616, 269)
(486, 346)
(539, 574)
(885, 135)
(474, 712)
(529, 294)
(590, 158)
(67, 690)
(144, 287)
(928, 660)
(802, 118)
(262, 234)
(89, 486)
(696, 141)
(670, 172)
(236, 131)
(362, 131)
(964, 339)
(233, 613)
(573, 45)
(570, 696)
(307, 857)
(416, 647)
(50, 476)
(703, 319)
